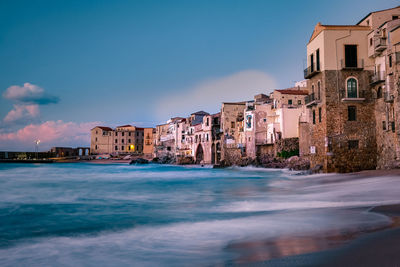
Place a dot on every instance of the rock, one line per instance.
(185, 161)
(297, 163)
(316, 169)
(139, 161)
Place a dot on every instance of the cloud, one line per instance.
(209, 95)
(29, 93)
(50, 133)
(22, 113)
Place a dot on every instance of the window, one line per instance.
(129, 141)
(384, 125)
(313, 117)
(265, 119)
(318, 65)
(393, 126)
(353, 144)
(379, 93)
(122, 148)
(207, 122)
(290, 101)
(129, 133)
(370, 42)
(390, 61)
(319, 89)
(350, 56)
(312, 62)
(122, 133)
(319, 114)
(96, 132)
(312, 89)
(129, 148)
(232, 124)
(116, 133)
(96, 139)
(395, 17)
(352, 113)
(352, 88)
(95, 147)
(299, 102)
(122, 141)
(116, 141)
(116, 147)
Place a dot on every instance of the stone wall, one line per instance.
(331, 136)
(287, 144)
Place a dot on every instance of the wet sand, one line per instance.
(355, 247)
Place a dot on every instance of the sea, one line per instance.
(89, 214)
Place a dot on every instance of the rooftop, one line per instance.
(104, 128)
(292, 91)
(376, 12)
(319, 28)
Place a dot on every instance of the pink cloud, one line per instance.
(22, 112)
(50, 133)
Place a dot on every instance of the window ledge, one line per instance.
(353, 99)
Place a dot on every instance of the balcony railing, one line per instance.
(378, 77)
(311, 99)
(345, 98)
(389, 98)
(380, 44)
(310, 71)
(359, 64)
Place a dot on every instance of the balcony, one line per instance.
(380, 44)
(388, 98)
(310, 72)
(356, 65)
(378, 77)
(345, 98)
(312, 100)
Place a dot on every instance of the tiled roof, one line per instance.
(122, 126)
(292, 91)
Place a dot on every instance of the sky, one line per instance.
(67, 66)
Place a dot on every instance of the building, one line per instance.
(383, 42)
(338, 132)
(125, 139)
(70, 152)
(148, 143)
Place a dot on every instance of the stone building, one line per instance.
(148, 143)
(272, 120)
(165, 138)
(125, 139)
(100, 140)
(205, 142)
(339, 130)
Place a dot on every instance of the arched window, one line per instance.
(352, 88)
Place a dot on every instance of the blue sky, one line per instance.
(119, 62)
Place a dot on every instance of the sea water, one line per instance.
(87, 214)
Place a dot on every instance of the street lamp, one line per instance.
(37, 142)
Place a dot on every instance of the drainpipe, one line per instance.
(337, 73)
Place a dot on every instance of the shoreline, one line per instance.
(348, 248)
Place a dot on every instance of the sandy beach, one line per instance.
(375, 247)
